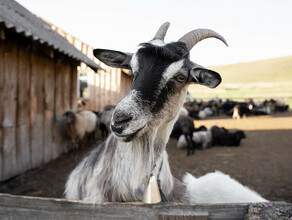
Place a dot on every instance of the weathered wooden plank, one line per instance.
(270, 211)
(66, 87)
(49, 86)
(214, 211)
(119, 85)
(195, 216)
(112, 94)
(73, 92)
(92, 89)
(104, 92)
(117, 98)
(18, 207)
(2, 42)
(24, 207)
(66, 96)
(93, 92)
(37, 109)
(9, 164)
(23, 110)
(107, 87)
(60, 143)
(97, 94)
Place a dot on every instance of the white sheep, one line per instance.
(205, 113)
(80, 124)
(202, 138)
(217, 187)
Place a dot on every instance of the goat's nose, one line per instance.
(120, 121)
(122, 118)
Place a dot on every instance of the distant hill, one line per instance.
(271, 70)
(262, 79)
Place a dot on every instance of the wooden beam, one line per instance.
(37, 109)
(60, 144)
(73, 92)
(49, 87)
(25, 207)
(9, 163)
(23, 109)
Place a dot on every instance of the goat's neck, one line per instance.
(139, 158)
(150, 145)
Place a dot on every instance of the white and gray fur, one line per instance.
(201, 138)
(217, 187)
(117, 170)
(80, 124)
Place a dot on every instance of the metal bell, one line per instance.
(151, 193)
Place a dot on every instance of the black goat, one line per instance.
(185, 126)
(222, 137)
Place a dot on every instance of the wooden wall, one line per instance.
(108, 86)
(36, 88)
(37, 85)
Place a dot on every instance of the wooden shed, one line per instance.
(107, 86)
(38, 83)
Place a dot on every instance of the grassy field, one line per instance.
(259, 80)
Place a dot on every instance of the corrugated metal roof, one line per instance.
(17, 18)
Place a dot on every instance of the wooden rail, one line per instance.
(25, 207)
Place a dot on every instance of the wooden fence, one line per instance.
(24, 207)
(36, 87)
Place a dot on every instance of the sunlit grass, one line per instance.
(257, 91)
(251, 123)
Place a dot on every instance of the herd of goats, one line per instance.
(84, 124)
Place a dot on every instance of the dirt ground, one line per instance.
(263, 161)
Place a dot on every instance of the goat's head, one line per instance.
(161, 74)
(69, 116)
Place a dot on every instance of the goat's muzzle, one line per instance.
(124, 126)
(120, 122)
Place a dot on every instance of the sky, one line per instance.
(254, 29)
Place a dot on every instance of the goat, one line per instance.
(117, 170)
(228, 106)
(185, 126)
(202, 139)
(192, 108)
(218, 187)
(80, 124)
(241, 109)
(222, 137)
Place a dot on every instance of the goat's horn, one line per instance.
(162, 31)
(195, 36)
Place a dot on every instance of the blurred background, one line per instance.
(47, 69)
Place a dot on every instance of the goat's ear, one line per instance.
(113, 58)
(205, 77)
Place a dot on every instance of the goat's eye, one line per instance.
(180, 78)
